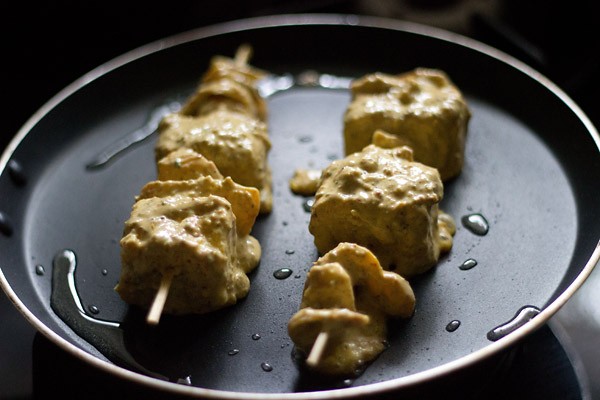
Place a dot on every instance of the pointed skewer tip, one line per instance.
(317, 350)
(159, 300)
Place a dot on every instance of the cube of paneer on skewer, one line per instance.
(349, 297)
(381, 199)
(232, 83)
(422, 107)
(194, 241)
(196, 232)
(235, 142)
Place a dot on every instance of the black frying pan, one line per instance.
(532, 170)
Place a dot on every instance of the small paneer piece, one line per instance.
(193, 240)
(227, 83)
(381, 199)
(348, 296)
(422, 107)
(184, 164)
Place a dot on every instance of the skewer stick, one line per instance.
(242, 55)
(159, 300)
(317, 350)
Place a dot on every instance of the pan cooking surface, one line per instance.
(519, 174)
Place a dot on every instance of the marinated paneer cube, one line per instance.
(422, 107)
(381, 199)
(191, 239)
(235, 142)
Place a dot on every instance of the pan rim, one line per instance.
(274, 21)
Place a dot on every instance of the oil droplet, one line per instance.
(16, 173)
(453, 325)
(93, 309)
(524, 315)
(305, 139)
(39, 270)
(476, 223)
(104, 272)
(307, 204)
(233, 352)
(266, 367)
(468, 264)
(282, 273)
(256, 336)
(298, 276)
(5, 225)
(288, 252)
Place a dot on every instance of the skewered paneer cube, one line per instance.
(349, 297)
(422, 107)
(193, 240)
(232, 83)
(195, 232)
(245, 201)
(381, 199)
(225, 121)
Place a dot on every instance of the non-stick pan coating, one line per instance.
(532, 170)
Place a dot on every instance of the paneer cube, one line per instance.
(236, 143)
(192, 239)
(422, 107)
(381, 199)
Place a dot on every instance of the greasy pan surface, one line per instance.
(532, 169)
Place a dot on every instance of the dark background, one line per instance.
(49, 45)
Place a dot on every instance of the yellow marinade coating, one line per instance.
(381, 199)
(350, 297)
(422, 107)
(183, 164)
(236, 143)
(225, 121)
(244, 201)
(305, 181)
(192, 239)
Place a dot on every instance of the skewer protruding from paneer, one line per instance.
(348, 297)
(423, 108)
(381, 199)
(225, 121)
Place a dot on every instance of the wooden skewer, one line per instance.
(242, 55)
(317, 350)
(159, 300)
